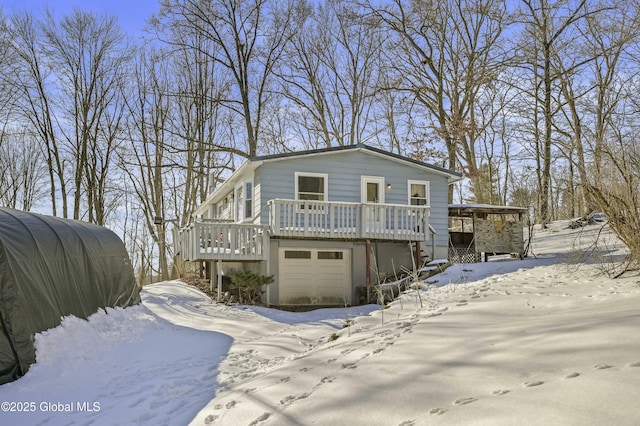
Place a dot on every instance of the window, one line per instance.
(418, 193)
(297, 254)
(330, 255)
(311, 186)
(244, 201)
(248, 200)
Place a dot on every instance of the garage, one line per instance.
(314, 276)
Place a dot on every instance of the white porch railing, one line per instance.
(209, 240)
(318, 219)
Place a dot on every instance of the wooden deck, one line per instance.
(328, 220)
(209, 239)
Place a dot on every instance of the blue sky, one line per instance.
(131, 13)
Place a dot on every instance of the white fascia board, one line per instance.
(227, 186)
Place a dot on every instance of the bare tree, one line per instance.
(610, 38)
(21, 170)
(616, 191)
(612, 112)
(330, 75)
(550, 36)
(248, 37)
(8, 87)
(446, 53)
(89, 55)
(145, 161)
(201, 133)
(35, 101)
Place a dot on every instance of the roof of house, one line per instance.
(357, 147)
(254, 162)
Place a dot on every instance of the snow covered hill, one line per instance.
(545, 340)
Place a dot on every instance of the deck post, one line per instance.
(368, 269)
(266, 247)
(219, 271)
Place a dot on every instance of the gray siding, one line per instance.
(276, 180)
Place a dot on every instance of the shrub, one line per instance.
(249, 285)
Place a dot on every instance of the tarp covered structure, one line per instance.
(50, 268)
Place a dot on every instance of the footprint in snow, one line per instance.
(571, 375)
(464, 401)
(290, 399)
(230, 404)
(437, 411)
(635, 364)
(287, 400)
(326, 379)
(602, 366)
(532, 383)
(499, 392)
(349, 366)
(262, 418)
(407, 423)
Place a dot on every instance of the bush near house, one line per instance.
(249, 285)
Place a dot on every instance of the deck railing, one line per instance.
(318, 219)
(209, 240)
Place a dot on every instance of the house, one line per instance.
(322, 222)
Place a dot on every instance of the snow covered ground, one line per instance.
(545, 340)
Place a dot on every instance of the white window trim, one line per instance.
(426, 183)
(252, 199)
(305, 174)
(363, 188)
(239, 203)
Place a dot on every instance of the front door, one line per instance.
(372, 193)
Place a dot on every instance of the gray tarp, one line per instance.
(50, 268)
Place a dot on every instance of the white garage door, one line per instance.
(314, 277)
